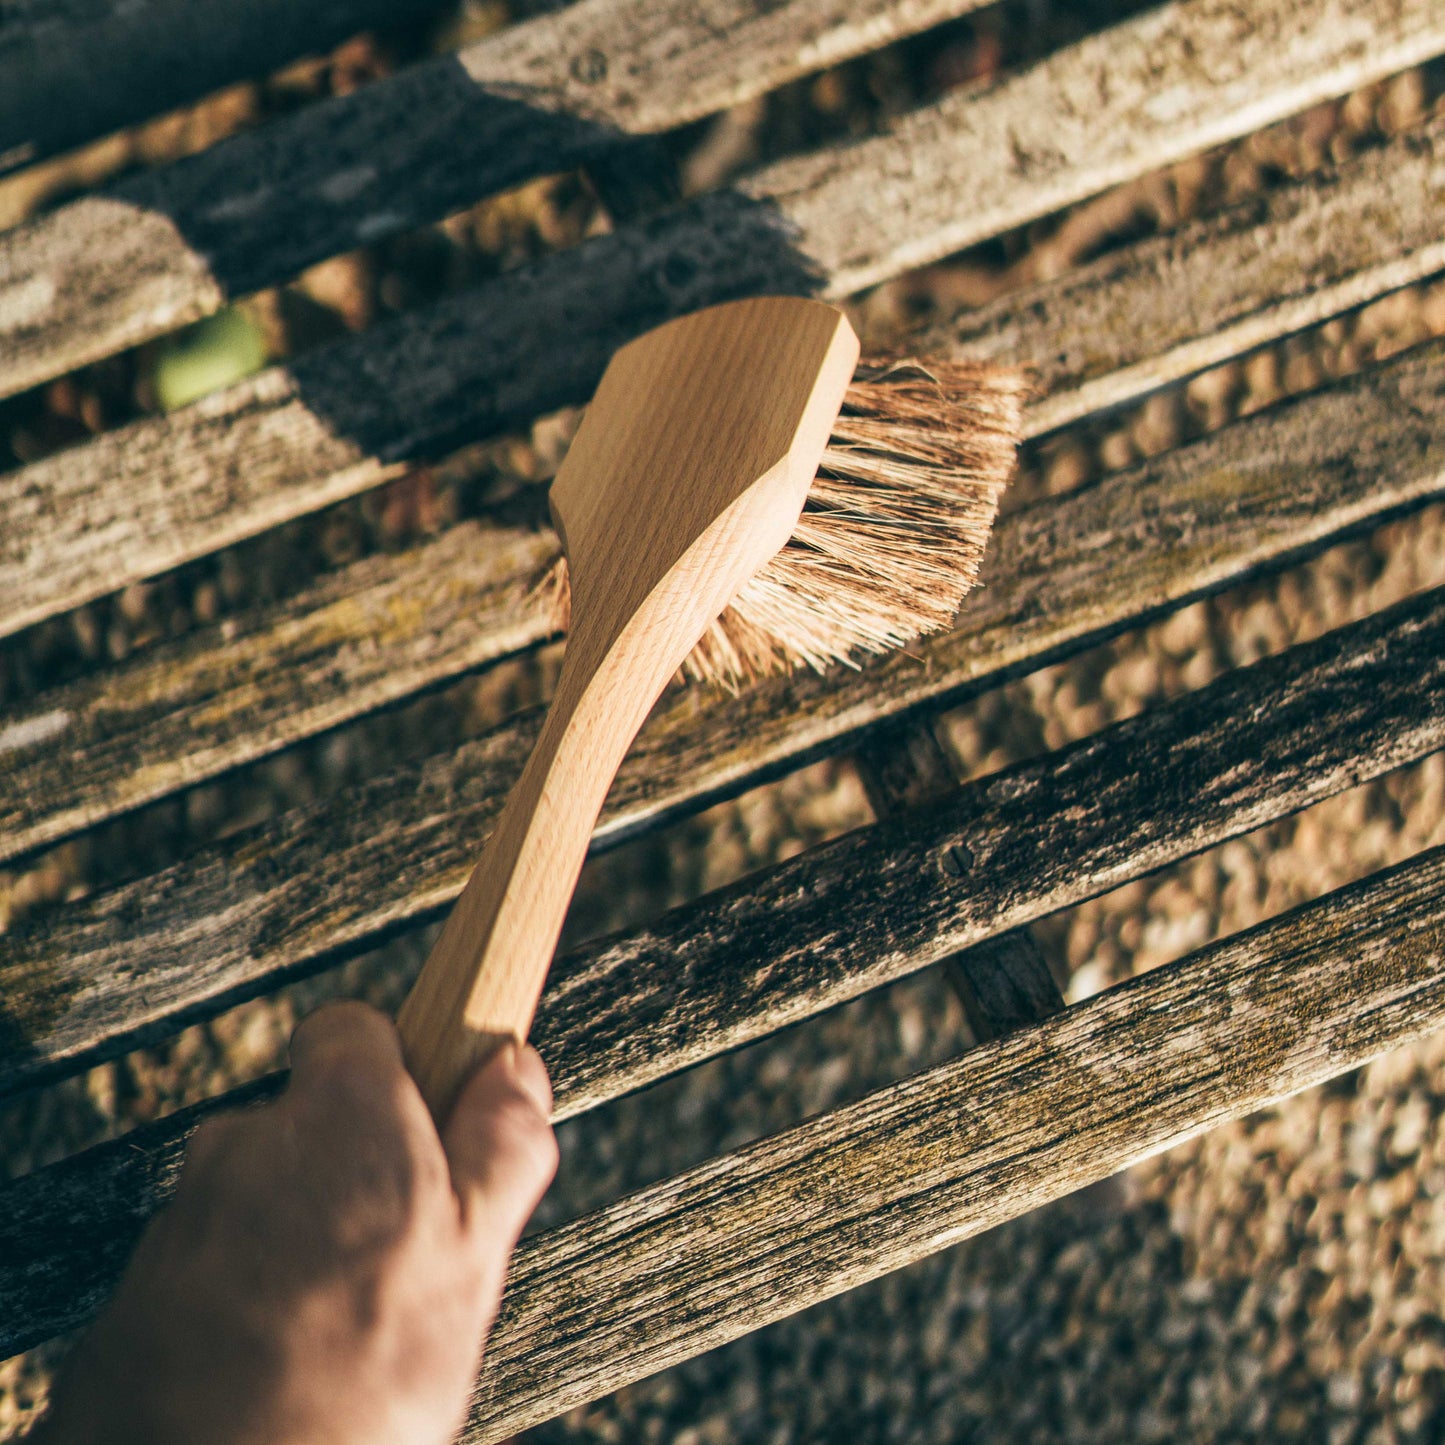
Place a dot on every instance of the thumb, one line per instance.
(501, 1149)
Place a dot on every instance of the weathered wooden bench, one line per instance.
(1053, 1097)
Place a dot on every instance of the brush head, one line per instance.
(892, 533)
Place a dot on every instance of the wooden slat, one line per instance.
(73, 71)
(367, 634)
(748, 1238)
(343, 418)
(348, 417)
(617, 1015)
(113, 269)
(1044, 835)
(1173, 81)
(1112, 330)
(157, 250)
(67, 1231)
(133, 962)
(682, 1266)
(1103, 335)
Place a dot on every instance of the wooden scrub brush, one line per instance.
(736, 502)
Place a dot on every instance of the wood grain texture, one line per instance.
(1173, 81)
(350, 416)
(726, 1248)
(347, 418)
(155, 251)
(1106, 333)
(76, 70)
(374, 632)
(688, 475)
(137, 961)
(112, 269)
(150, 495)
(1041, 836)
(685, 1265)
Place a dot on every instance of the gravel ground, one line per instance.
(1277, 1279)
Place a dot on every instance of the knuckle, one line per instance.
(516, 1122)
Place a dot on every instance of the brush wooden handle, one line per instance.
(480, 985)
(688, 473)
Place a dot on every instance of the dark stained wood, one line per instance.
(188, 711)
(326, 879)
(1004, 985)
(110, 270)
(72, 71)
(904, 767)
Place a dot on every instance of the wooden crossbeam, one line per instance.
(1004, 983)
(154, 251)
(383, 628)
(322, 880)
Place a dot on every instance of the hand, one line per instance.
(329, 1267)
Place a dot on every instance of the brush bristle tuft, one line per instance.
(893, 531)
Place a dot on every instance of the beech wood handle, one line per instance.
(449, 1060)
(480, 984)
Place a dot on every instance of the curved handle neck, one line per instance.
(480, 985)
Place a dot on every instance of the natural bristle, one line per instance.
(893, 531)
